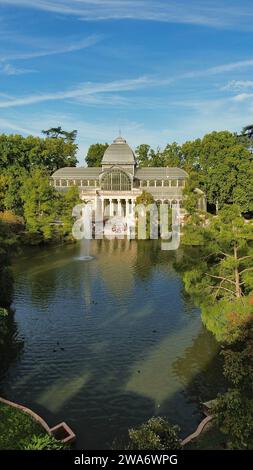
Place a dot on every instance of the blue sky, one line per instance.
(161, 71)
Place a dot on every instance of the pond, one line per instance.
(104, 343)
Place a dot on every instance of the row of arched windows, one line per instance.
(117, 180)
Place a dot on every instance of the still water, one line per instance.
(106, 343)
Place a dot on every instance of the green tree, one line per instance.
(248, 131)
(56, 132)
(225, 166)
(95, 154)
(191, 152)
(224, 267)
(55, 154)
(172, 155)
(145, 198)
(65, 205)
(39, 204)
(234, 409)
(47, 213)
(3, 189)
(156, 158)
(29, 152)
(192, 192)
(218, 272)
(156, 434)
(15, 176)
(142, 155)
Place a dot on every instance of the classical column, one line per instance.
(111, 207)
(102, 207)
(127, 208)
(119, 208)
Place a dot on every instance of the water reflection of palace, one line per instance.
(118, 182)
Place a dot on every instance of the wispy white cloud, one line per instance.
(238, 85)
(208, 13)
(81, 92)
(207, 116)
(10, 125)
(108, 93)
(9, 69)
(242, 97)
(58, 49)
(219, 69)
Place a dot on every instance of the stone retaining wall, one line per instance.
(69, 434)
(198, 431)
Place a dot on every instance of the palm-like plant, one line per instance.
(248, 131)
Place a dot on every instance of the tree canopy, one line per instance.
(218, 271)
(95, 154)
(233, 410)
(29, 152)
(56, 132)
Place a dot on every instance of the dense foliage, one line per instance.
(218, 273)
(156, 434)
(26, 195)
(45, 442)
(20, 424)
(47, 213)
(95, 154)
(234, 409)
(218, 270)
(30, 152)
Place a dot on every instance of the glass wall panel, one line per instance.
(116, 180)
(166, 183)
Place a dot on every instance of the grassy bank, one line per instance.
(15, 427)
(18, 431)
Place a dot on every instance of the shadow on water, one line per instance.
(109, 343)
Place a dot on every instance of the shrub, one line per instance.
(156, 434)
(45, 442)
(226, 318)
(15, 222)
(234, 417)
